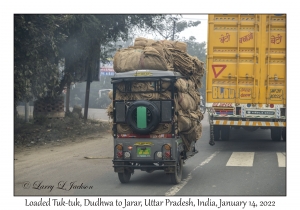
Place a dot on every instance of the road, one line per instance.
(248, 164)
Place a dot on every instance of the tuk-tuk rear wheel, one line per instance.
(125, 176)
(177, 175)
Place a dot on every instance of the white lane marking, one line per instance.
(174, 190)
(281, 159)
(241, 159)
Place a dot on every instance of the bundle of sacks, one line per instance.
(159, 55)
(168, 56)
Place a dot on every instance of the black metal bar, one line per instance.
(143, 167)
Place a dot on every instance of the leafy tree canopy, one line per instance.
(172, 25)
(41, 42)
(195, 48)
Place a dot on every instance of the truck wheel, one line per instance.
(225, 133)
(176, 177)
(276, 134)
(217, 130)
(125, 176)
(283, 134)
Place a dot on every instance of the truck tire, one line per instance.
(276, 134)
(177, 175)
(153, 120)
(283, 134)
(217, 130)
(225, 133)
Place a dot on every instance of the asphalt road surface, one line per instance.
(249, 164)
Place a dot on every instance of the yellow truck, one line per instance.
(246, 74)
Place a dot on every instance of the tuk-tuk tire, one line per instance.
(154, 112)
(124, 177)
(177, 175)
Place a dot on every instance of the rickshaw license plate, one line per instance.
(143, 151)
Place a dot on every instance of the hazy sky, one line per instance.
(200, 32)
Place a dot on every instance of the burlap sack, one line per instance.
(184, 121)
(127, 59)
(198, 73)
(142, 86)
(175, 44)
(187, 102)
(165, 95)
(194, 134)
(110, 110)
(188, 120)
(133, 59)
(123, 128)
(194, 93)
(153, 60)
(144, 96)
(165, 85)
(143, 42)
(163, 128)
(182, 62)
(110, 94)
(158, 47)
(182, 85)
(171, 56)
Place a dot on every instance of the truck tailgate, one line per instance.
(246, 59)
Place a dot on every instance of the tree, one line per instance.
(197, 49)
(38, 43)
(172, 25)
(87, 34)
(37, 40)
(41, 41)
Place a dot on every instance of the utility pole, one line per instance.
(87, 90)
(26, 111)
(174, 24)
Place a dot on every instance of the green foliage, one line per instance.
(88, 32)
(195, 48)
(172, 25)
(42, 41)
(198, 49)
(37, 43)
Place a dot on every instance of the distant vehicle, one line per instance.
(246, 74)
(103, 101)
(202, 106)
(104, 91)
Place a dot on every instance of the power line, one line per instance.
(193, 19)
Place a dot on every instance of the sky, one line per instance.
(200, 31)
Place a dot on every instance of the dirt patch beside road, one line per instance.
(47, 133)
